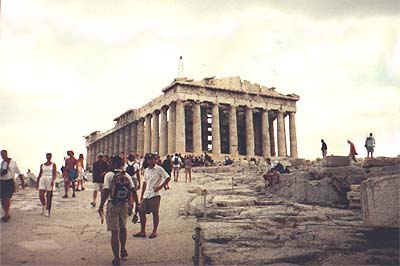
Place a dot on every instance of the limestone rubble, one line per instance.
(301, 221)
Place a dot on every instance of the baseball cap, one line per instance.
(100, 154)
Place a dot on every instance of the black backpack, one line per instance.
(176, 160)
(120, 187)
(130, 169)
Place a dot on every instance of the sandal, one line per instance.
(139, 235)
(152, 235)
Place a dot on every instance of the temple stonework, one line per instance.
(224, 116)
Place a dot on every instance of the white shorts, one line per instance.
(98, 186)
(45, 183)
(80, 173)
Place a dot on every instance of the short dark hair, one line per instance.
(48, 154)
(131, 157)
(370, 134)
(116, 162)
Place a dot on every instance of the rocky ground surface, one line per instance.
(73, 235)
(244, 223)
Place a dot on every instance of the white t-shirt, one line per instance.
(12, 170)
(154, 177)
(109, 177)
(179, 161)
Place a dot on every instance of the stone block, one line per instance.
(380, 201)
(336, 161)
(380, 161)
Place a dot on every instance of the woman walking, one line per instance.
(80, 172)
(45, 183)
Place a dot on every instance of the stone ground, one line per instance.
(73, 235)
(246, 227)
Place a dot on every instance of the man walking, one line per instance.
(118, 188)
(324, 148)
(71, 174)
(353, 151)
(155, 178)
(370, 145)
(7, 186)
(100, 168)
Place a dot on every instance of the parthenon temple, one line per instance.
(225, 116)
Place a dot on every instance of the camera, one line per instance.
(3, 172)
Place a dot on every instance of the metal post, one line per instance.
(205, 203)
(197, 244)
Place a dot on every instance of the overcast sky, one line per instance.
(68, 68)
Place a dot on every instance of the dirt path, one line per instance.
(73, 234)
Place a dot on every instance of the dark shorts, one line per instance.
(7, 188)
(151, 205)
(370, 149)
(72, 175)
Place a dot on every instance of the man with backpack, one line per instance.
(118, 187)
(155, 178)
(176, 166)
(133, 169)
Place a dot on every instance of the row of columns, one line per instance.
(164, 131)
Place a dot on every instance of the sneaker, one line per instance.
(124, 254)
(115, 262)
(46, 213)
(77, 189)
(5, 219)
(83, 189)
(73, 195)
(93, 204)
(65, 196)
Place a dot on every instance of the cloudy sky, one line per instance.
(68, 68)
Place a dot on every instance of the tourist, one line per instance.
(268, 173)
(80, 170)
(353, 151)
(7, 184)
(132, 168)
(324, 148)
(188, 168)
(155, 178)
(167, 165)
(100, 168)
(45, 183)
(176, 166)
(370, 145)
(118, 188)
(70, 170)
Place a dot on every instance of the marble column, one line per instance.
(147, 134)
(215, 130)
(197, 148)
(272, 137)
(113, 143)
(293, 137)
(171, 128)
(121, 147)
(163, 132)
(140, 137)
(249, 132)
(155, 133)
(134, 130)
(233, 136)
(180, 137)
(127, 146)
(266, 150)
(281, 135)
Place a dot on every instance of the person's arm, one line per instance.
(38, 178)
(20, 175)
(138, 178)
(166, 177)
(54, 175)
(104, 195)
(143, 190)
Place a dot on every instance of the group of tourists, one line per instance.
(369, 146)
(119, 182)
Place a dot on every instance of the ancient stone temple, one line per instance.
(224, 116)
